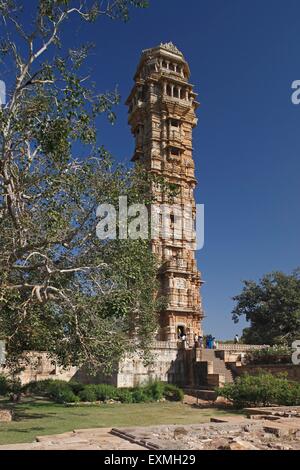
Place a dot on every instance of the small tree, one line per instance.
(272, 307)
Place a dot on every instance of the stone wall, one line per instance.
(236, 353)
(170, 365)
(38, 366)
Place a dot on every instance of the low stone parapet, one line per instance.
(240, 347)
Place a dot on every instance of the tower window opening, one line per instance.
(164, 64)
(182, 94)
(169, 91)
(175, 152)
(181, 333)
(175, 123)
(172, 67)
(176, 92)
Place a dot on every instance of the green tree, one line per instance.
(61, 288)
(272, 306)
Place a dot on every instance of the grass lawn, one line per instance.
(33, 418)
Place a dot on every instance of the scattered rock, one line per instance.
(247, 428)
(222, 401)
(239, 444)
(180, 432)
(5, 416)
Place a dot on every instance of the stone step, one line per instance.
(218, 365)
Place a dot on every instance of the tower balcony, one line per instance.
(175, 136)
(180, 265)
(176, 309)
(138, 153)
(136, 106)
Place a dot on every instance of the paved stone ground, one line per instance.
(79, 439)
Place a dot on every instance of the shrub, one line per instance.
(59, 391)
(271, 355)
(88, 394)
(155, 390)
(124, 395)
(76, 387)
(66, 396)
(139, 395)
(40, 387)
(105, 392)
(261, 390)
(173, 393)
(71, 392)
(4, 385)
(11, 386)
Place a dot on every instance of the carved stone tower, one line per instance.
(162, 107)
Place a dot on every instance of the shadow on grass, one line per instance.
(25, 431)
(23, 415)
(25, 410)
(224, 409)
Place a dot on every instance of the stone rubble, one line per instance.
(230, 433)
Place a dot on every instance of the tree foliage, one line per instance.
(272, 306)
(61, 288)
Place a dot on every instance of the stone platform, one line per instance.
(79, 439)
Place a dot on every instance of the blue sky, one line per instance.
(243, 56)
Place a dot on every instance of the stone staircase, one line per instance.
(218, 373)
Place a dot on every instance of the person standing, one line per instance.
(236, 339)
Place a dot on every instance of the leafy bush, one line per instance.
(173, 393)
(155, 390)
(271, 355)
(105, 392)
(60, 392)
(263, 389)
(63, 392)
(40, 387)
(139, 395)
(88, 394)
(11, 386)
(4, 385)
(124, 395)
(76, 387)
(66, 396)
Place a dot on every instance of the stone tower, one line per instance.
(162, 107)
